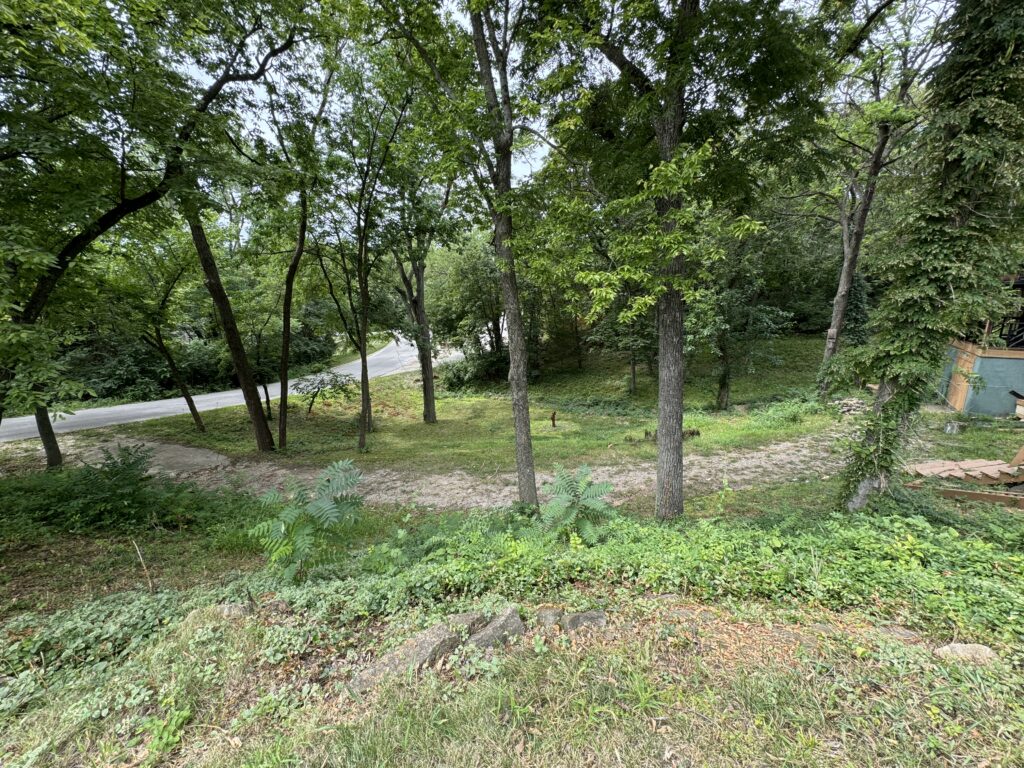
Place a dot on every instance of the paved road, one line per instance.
(393, 358)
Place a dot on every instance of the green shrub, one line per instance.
(577, 508)
(787, 412)
(476, 368)
(323, 385)
(298, 537)
(115, 495)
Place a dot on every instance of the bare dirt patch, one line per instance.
(774, 464)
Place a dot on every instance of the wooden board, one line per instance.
(996, 497)
(978, 471)
(1008, 498)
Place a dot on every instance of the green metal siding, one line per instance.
(1000, 374)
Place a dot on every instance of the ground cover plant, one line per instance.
(123, 665)
(606, 336)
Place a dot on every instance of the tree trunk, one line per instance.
(500, 110)
(246, 380)
(853, 224)
(286, 318)
(724, 382)
(366, 406)
(632, 372)
(412, 293)
(878, 480)
(579, 342)
(179, 378)
(426, 364)
(496, 339)
(671, 364)
(54, 459)
(518, 363)
(266, 398)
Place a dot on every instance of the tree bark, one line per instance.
(366, 406)
(286, 318)
(879, 480)
(499, 107)
(853, 224)
(497, 342)
(179, 379)
(518, 364)
(412, 292)
(669, 494)
(246, 380)
(54, 459)
(423, 348)
(724, 382)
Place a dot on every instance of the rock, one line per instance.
(276, 606)
(969, 653)
(416, 654)
(471, 621)
(849, 405)
(548, 617)
(234, 610)
(500, 629)
(575, 621)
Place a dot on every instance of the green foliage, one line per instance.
(297, 538)
(475, 368)
(577, 508)
(41, 653)
(115, 494)
(942, 268)
(324, 384)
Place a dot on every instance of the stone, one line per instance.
(276, 606)
(500, 629)
(969, 653)
(471, 621)
(417, 653)
(548, 617)
(234, 610)
(573, 622)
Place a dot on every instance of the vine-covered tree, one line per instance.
(941, 270)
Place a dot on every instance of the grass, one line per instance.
(743, 634)
(163, 679)
(980, 438)
(598, 421)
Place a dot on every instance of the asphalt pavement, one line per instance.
(394, 358)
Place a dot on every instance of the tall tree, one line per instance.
(687, 72)
(376, 100)
(874, 115)
(492, 116)
(103, 104)
(942, 269)
(229, 325)
(296, 130)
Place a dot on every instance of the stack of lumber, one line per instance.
(980, 471)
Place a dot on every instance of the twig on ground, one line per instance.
(144, 568)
